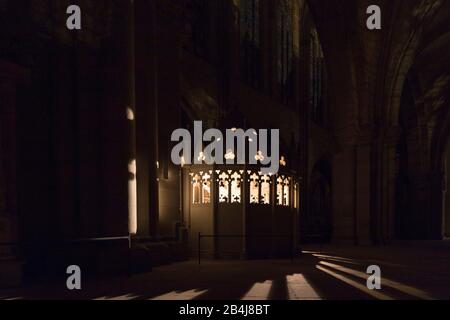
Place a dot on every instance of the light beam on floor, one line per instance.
(300, 289)
(374, 293)
(259, 291)
(337, 259)
(121, 297)
(384, 281)
(184, 295)
(11, 298)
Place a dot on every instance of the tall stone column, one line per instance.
(343, 196)
(363, 193)
(146, 107)
(11, 77)
(352, 189)
(446, 196)
(436, 206)
(389, 175)
(170, 26)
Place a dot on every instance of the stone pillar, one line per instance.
(425, 218)
(170, 25)
(145, 68)
(446, 196)
(363, 194)
(131, 112)
(352, 189)
(230, 73)
(343, 196)
(11, 77)
(389, 175)
(436, 209)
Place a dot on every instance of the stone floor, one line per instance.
(418, 270)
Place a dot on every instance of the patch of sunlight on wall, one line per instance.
(130, 114)
(132, 197)
(184, 295)
(300, 289)
(259, 291)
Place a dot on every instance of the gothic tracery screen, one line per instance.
(259, 187)
(283, 189)
(206, 188)
(286, 193)
(224, 188)
(265, 189)
(236, 188)
(280, 191)
(230, 186)
(254, 188)
(196, 189)
(201, 188)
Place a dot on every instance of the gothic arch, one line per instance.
(402, 59)
(319, 216)
(407, 213)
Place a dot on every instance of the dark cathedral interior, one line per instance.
(87, 181)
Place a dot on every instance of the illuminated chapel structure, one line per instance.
(86, 118)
